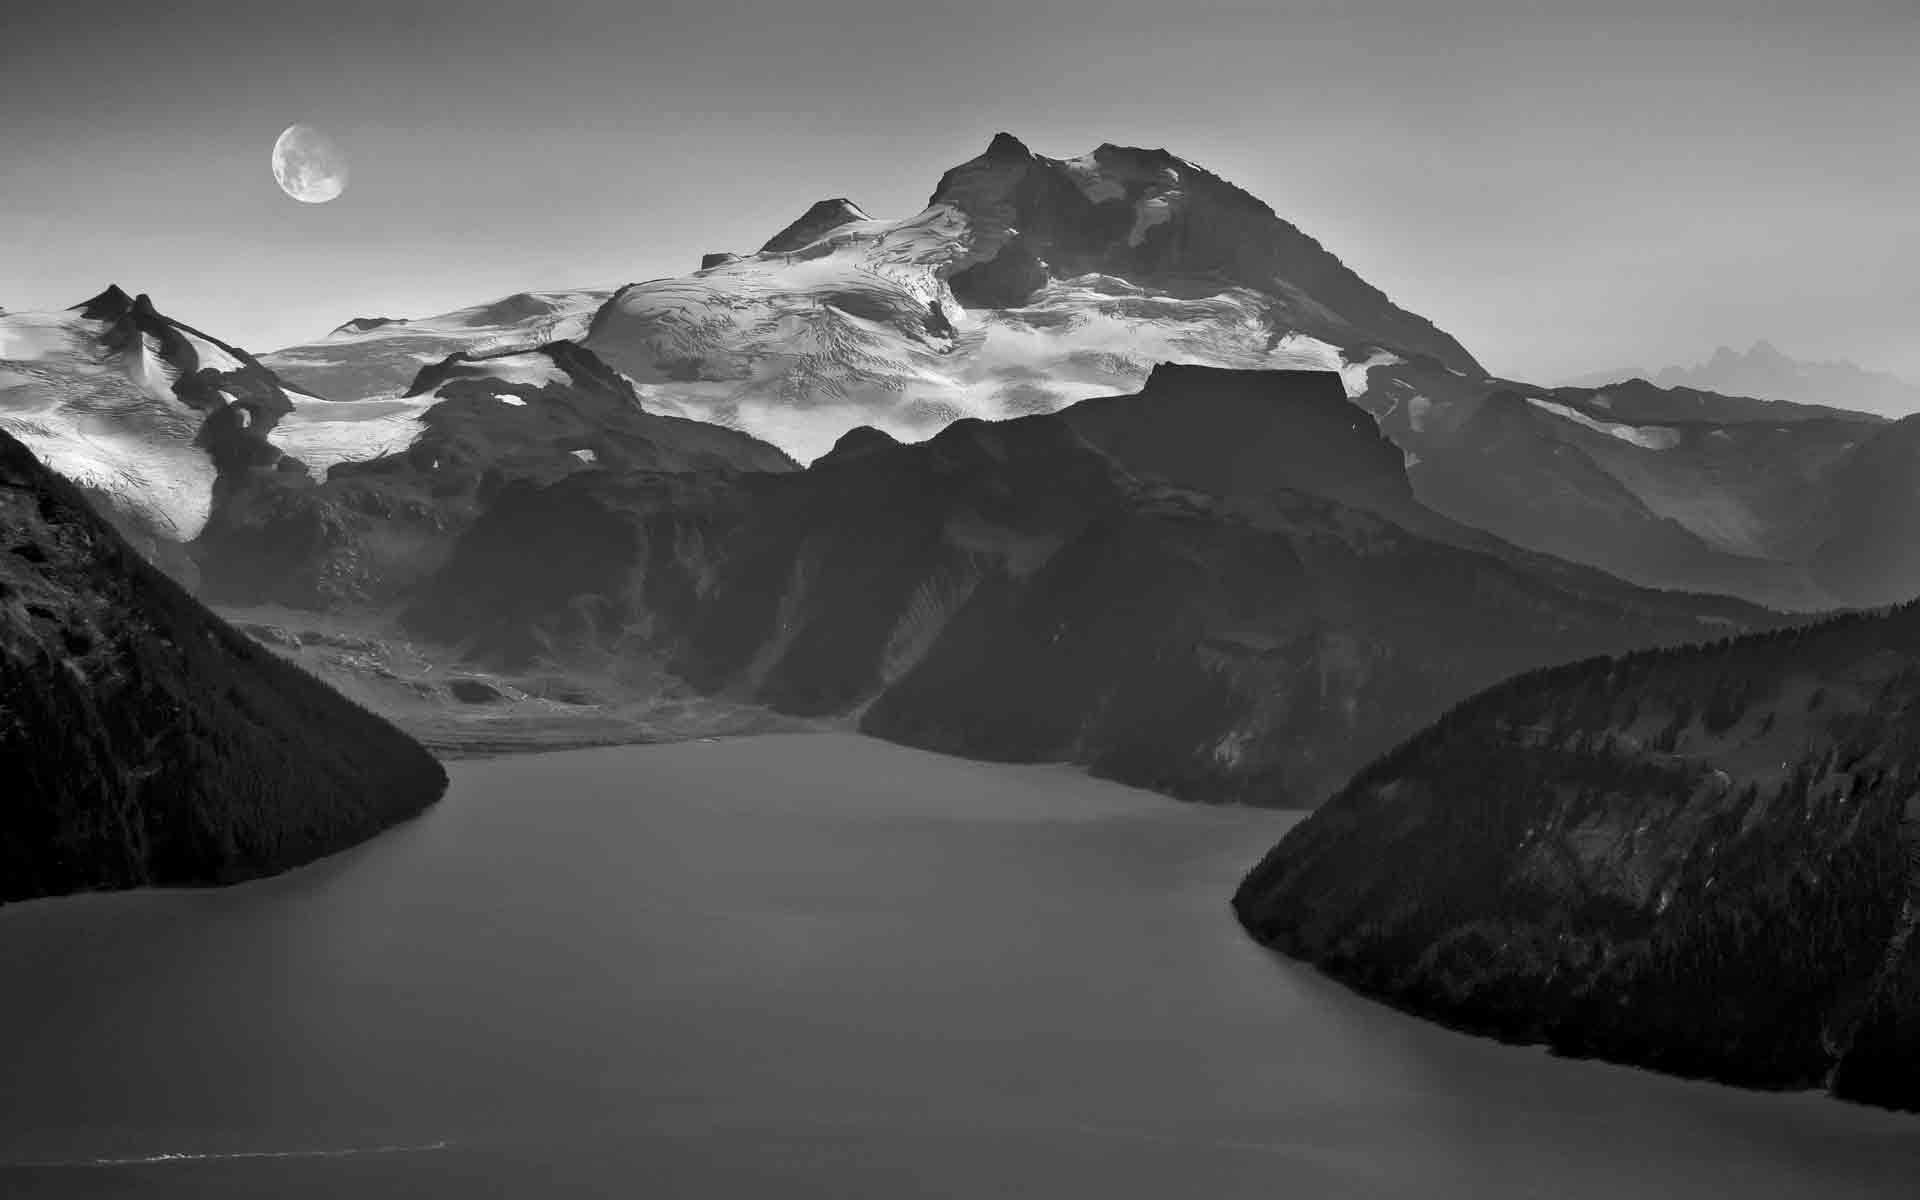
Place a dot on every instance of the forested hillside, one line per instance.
(144, 741)
(1705, 860)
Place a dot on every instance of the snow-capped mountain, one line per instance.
(135, 407)
(1027, 283)
(414, 470)
(378, 357)
(147, 413)
(158, 421)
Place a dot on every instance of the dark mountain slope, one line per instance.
(1692, 510)
(1869, 527)
(142, 740)
(1011, 590)
(1704, 860)
(1251, 435)
(1248, 434)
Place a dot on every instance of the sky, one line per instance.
(1565, 186)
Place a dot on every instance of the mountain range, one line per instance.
(1031, 282)
(1198, 587)
(1104, 463)
(1766, 373)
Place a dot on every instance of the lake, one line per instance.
(805, 966)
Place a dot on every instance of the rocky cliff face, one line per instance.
(1702, 860)
(1247, 434)
(1145, 604)
(142, 740)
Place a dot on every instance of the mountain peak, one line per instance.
(822, 218)
(366, 325)
(858, 442)
(108, 305)
(1005, 145)
(1146, 216)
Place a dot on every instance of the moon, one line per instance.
(310, 166)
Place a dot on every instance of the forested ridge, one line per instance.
(143, 740)
(1704, 859)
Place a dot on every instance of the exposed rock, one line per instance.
(818, 221)
(475, 691)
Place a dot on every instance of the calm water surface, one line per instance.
(805, 966)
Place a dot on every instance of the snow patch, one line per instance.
(1152, 210)
(1094, 183)
(1647, 437)
(208, 354)
(328, 432)
(530, 370)
(1354, 377)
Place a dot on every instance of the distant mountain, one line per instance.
(1191, 588)
(145, 741)
(1031, 282)
(1728, 506)
(1765, 372)
(373, 358)
(1027, 283)
(1704, 860)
